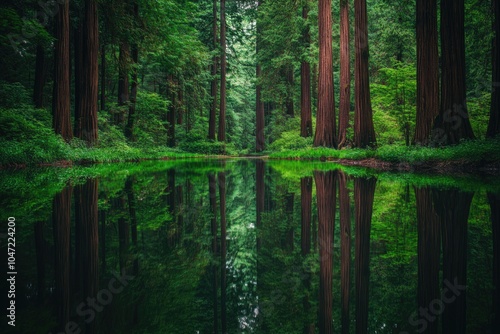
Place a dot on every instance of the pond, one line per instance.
(249, 246)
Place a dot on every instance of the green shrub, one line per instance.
(291, 140)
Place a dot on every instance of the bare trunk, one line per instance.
(172, 97)
(222, 112)
(325, 115)
(305, 84)
(364, 133)
(452, 124)
(61, 103)
(129, 127)
(103, 77)
(345, 74)
(213, 89)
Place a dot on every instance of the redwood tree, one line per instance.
(90, 76)
(325, 116)
(345, 74)
(452, 124)
(61, 104)
(221, 136)
(494, 124)
(305, 82)
(364, 133)
(427, 70)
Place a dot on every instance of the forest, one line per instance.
(404, 82)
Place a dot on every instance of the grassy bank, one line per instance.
(468, 155)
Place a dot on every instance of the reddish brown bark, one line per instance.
(345, 74)
(494, 123)
(305, 84)
(103, 77)
(364, 191)
(213, 88)
(427, 70)
(78, 53)
(90, 75)
(364, 133)
(325, 192)
(452, 124)
(325, 115)
(61, 104)
(221, 136)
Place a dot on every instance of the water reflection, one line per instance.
(261, 249)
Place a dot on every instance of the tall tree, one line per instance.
(494, 124)
(61, 104)
(213, 86)
(90, 76)
(259, 105)
(222, 112)
(364, 133)
(345, 74)
(123, 82)
(325, 190)
(129, 127)
(427, 70)
(172, 97)
(325, 116)
(103, 77)
(452, 124)
(305, 80)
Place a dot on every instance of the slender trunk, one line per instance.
(222, 112)
(260, 117)
(364, 190)
(305, 83)
(61, 100)
(90, 74)
(452, 124)
(180, 104)
(494, 123)
(325, 190)
(61, 218)
(345, 74)
(305, 200)
(345, 249)
(452, 208)
(39, 76)
(429, 248)
(427, 70)
(103, 77)
(364, 133)
(213, 89)
(289, 87)
(171, 95)
(129, 127)
(123, 66)
(325, 115)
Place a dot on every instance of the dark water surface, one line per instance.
(246, 246)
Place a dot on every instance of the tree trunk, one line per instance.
(345, 250)
(61, 218)
(325, 190)
(305, 200)
(494, 200)
(123, 66)
(364, 191)
(213, 88)
(325, 116)
(364, 133)
(78, 51)
(452, 124)
(429, 249)
(494, 123)
(345, 74)
(39, 76)
(222, 112)
(427, 70)
(129, 127)
(260, 120)
(90, 74)
(289, 87)
(61, 100)
(103, 76)
(172, 97)
(452, 208)
(305, 83)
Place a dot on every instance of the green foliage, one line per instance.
(290, 140)
(150, 124)
(13, 95)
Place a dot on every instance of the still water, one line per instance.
(247, 246)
